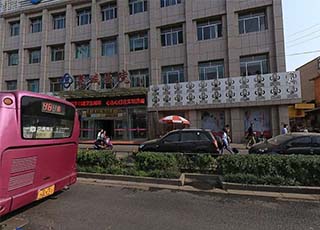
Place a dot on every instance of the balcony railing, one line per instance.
(274, 88)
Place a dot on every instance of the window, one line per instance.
(11, 85)
(83, 50)
(33, 85)
(252, 22)
(14, 28)
(300, 142)
(55, 84)
(109, 11)
(139, 78)
(57, 53)
(108, 80)
(209, 29)
(37, 124)
(34, 56)
(211, 70)
(165, 3)
(83, 17)
(109, 47)
(36, 25)
(189, 136)
(174, 137)
(138, 41)
(137, 6)
(171, 36)
(59, 21)
(251, 65)
(172, 74)
(13, 58)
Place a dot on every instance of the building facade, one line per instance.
(116, 50)
(308, 72)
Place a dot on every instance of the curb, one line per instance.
(147, 180)
(202, 181)
(271, 188)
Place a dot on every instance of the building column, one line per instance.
(44, 52)
(274, 116)
(94, 36)
(122, 7)
(237, 125)
(279, 36)
(2, 40)
(283, 116)
(154, 50)
(24, 30)
(68, 45)
(193, 119)
(190, 33)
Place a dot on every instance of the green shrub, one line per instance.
(271, 169)
(196, 163)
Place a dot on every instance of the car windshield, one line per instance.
(279, 139)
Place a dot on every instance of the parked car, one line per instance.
(184, 140)
(293, 143)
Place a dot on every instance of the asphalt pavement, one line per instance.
(97, 206)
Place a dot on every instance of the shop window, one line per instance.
(82, 81)
(138, 123)
(172, 36)
(255, 64)
(172, 74)
(11, 85)
(211, 70)
(209, 29)
(252, 22)
(139, 78)
(214, 121)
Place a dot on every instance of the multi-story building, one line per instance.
(104, 54)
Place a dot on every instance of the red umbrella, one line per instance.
(174, 119)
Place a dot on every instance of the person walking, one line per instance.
(284, 130)
(226, 143)
(250, 136)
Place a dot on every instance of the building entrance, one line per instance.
(107, 125)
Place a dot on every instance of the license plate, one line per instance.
(45, 192)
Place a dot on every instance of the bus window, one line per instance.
(45, 119)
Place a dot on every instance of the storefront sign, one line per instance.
(110, 102)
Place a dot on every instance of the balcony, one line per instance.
(256, 90)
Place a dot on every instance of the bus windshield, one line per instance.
(46, 119)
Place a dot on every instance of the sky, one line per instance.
(302, 31)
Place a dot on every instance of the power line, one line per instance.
(307, 52)
(307, 35)
(318, 36)
(300, 31)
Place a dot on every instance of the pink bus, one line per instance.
(38, 147)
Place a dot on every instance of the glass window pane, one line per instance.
(199, 32)
(206, 33)
(241, 26)
(252, 25)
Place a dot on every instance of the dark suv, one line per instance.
(185, 141)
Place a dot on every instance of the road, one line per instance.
(96, 206)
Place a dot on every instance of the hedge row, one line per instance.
(160, 165)
(271, 169)
(248, 169)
